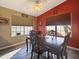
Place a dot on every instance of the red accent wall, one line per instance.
(71, 6)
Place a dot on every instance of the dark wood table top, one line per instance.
(53, 42)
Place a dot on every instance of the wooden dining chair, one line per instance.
(64, 47)
(62, 50)
(37, 46)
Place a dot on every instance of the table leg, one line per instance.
(27, 44)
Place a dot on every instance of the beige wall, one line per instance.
(5, 30)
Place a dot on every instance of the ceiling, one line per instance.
(25, 6)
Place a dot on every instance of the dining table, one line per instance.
(53, 43)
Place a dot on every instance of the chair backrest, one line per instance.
(67, 38)
(33, 37)
(32, 34)
(37, 46)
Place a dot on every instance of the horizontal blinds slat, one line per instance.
(18, 20)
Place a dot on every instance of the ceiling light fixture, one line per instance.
(37, 4)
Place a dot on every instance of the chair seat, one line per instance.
(39, 49)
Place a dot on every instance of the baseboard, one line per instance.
(76, 49)
(12, 45)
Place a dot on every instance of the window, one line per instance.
(48, 28)
(20, 30)
(28, 29)
(61, 29)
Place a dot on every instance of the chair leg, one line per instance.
(61, 56)
(48, 55)
(38, 56)
(31, 54)
(58, 56)
(66, 56)
(27, 44)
